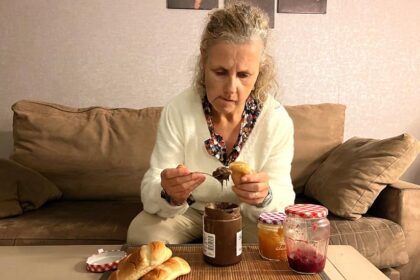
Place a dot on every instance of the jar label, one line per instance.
(239, 243)
(209, 244)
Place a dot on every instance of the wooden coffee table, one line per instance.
(68, 262)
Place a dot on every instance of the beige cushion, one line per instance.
(318, 129)
(354, 174)
(89, 153)
(68, 222)
(22, 189)
(381, 241)
(83, 150)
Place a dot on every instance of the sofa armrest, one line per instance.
(399, 203)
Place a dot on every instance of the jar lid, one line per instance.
(104, 260)
(274, 218)
(307, 210)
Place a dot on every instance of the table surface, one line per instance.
(47, 262)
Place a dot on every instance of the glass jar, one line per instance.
(307, 232)
(271, 237)
(222, 234)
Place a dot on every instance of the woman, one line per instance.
(227, 116)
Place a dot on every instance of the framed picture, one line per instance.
(192, 4)
(302, 6)
(265, 5)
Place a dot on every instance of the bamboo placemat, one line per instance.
(252, 266)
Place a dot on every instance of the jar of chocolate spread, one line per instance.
(222, 234)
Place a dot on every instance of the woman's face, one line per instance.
(230, 72)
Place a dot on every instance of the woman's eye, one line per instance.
(220, 73)
(243, 75)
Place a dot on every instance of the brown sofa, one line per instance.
(96, 157)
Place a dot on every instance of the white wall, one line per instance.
(365, 54)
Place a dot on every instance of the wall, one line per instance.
(364, 54)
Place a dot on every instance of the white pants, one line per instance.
(181, 229)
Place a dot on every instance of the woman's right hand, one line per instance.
(179, 183)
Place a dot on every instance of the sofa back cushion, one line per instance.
(103, 153)
(319, 129)
(353, 175)
(89, 153)
(23, 189)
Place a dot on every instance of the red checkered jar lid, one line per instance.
(307, 211)
(104, 260)
(275, 218)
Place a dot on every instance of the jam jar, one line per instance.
(307, 232)
(222, 234)
(271, 237)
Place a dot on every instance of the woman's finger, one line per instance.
(170, 173)
(255, 178)
(181, 180)
(249, 195)
(252, 201)
(181, 194)
(188, 186)
(253, 187)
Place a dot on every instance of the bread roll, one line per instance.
(239, 169)
(169, 270)
(141, 261)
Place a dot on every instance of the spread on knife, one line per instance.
(222, 174)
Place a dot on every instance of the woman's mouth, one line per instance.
(227, 99)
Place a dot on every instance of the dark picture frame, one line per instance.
(302, 6)
(192, 4)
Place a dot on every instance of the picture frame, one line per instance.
(192, 4)
(302, 6)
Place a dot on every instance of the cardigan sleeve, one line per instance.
(278, 165)
(168, 152)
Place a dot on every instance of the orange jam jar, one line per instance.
(271, 237)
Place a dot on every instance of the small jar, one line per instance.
(307, 232)
(271, 237)
(222, 234)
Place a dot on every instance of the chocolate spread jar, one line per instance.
(222, 234)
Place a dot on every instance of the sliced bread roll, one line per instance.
(239, 169)
(169, 270)
(141, 261)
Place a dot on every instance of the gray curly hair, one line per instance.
(237, 23)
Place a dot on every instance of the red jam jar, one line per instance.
(307, 232)
(271, 237)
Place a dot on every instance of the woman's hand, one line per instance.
(253, 188)
(179, 182)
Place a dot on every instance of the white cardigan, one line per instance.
(180, 139)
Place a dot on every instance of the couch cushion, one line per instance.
(318, 129)
(23, 189)
(90, 149)
(71, 223)
(381, 241)
(354, 174)
(89, 153)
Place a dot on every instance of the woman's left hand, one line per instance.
(253, 188)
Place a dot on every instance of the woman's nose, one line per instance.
(231, 85)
